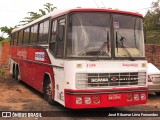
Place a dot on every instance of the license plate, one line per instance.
(114, 97)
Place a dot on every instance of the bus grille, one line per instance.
(101, 80)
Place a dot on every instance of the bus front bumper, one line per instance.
(80, 99)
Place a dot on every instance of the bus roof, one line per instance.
(57, 13)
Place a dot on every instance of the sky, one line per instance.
(13, 11)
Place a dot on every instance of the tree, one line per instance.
(152, 18)
(1, 38)
(32, 16)
(152, 24)
(48, 7)
(6, 30)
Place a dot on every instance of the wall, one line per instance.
(153, 54)
(0, 51)
(4, 53)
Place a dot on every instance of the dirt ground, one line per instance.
(21, 97)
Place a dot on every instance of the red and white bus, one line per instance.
(83, 58)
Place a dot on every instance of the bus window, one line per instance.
(20, 38)
(12, 39)
(53, 36)
(60, 38)
(87, 35)
(127, 35)
(15, 38)
(43, 32)
(54, 30)
(26, 36)
(33, 35)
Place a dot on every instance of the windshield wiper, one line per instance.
(117, 41)
(99, 50)
(102, 46)
(125, 49)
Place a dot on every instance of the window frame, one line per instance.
(19, 37)
(38, 36)
(12, 39)
(53, 41)
(64, 37)
(16, 34)
(26, 43)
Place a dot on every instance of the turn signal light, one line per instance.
(96, 99)
(129, 97)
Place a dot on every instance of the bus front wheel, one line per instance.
(48, 92)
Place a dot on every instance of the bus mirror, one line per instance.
(61, 32)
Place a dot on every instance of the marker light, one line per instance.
(143, 96)
(78, 100)
(87, 100)
(136, 97)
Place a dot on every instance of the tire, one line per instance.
(17, 75)
(13, 71)
(158, 93)
(48, 92)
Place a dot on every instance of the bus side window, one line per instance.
(33, 34)
(26, 36)
(12, 39)
(20, 38)
(43, 32)
(60, 38)
(52, 43)
(15, 38)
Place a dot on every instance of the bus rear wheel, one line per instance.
(158, 93)
(16, 73)
(48, 92)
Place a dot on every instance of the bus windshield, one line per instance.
(128, 36)
(89, 35)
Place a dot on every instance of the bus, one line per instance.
(83, 57)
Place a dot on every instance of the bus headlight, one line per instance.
(136, 97)
(87, 100)
(78, 100)
(143, 96)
